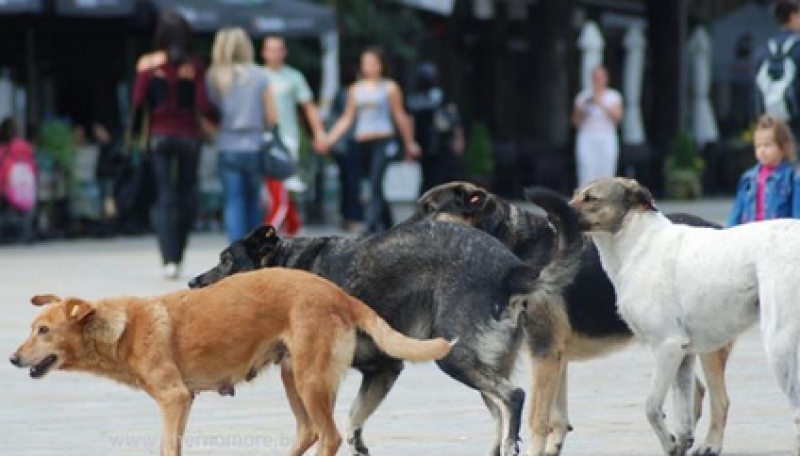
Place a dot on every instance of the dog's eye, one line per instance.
(429, 207)
(587, 198)
(43, 330)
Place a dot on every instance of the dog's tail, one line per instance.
(396, 344)
(545, 301)
(564, 219)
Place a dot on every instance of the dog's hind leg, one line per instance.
(547, 372)
(779, 301)
(714, 371)
(668, 357)
(508, 399)
(375, 385)
(781, 347)
(498, 419)
(683, 395)
(317, 381)
(559, 418)
(306, 437)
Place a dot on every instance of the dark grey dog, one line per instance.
(426, 280)
(591, 327)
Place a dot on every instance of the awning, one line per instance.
(290, 17)
(20, 6)
(95, 8)
(444, 7)
(258, 17)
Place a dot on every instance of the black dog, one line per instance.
(591, 327)
(426, 280)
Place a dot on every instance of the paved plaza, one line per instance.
(426, 413)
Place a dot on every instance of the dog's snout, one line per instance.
(15, 360)
(194, 283)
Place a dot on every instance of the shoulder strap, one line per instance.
(783, 49)
(788, 44)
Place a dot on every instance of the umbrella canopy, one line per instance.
(635, 48)
(95, 8)
(704, 124)
(20, 6)
(591, 44)
(258, 17)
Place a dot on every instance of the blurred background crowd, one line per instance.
(491, 91)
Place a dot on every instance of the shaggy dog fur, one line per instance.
(427, 280)
(593, 327)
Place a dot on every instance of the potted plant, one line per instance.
(684, 169)
(55, 147)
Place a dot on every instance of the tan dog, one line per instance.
(209, 339)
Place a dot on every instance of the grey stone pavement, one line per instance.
(426, 413)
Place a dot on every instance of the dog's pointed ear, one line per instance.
(44, 299)
(78, 310)
(271, 235)
(640, 195)
(472, 200)
(262, 234)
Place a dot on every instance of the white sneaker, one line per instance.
(294, 184)
(172, 271)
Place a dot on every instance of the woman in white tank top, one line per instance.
(375, 108)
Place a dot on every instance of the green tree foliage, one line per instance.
(385, 23)
(477, 158)
(56, 141)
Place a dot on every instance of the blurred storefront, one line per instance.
(75, 58)
(515, 66)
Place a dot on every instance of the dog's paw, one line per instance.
(707, 450)
(357, 447)
(684, 443)
(672, 448)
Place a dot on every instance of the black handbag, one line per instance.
(135, 183)
(276, 160)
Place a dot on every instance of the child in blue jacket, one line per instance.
(771, 189)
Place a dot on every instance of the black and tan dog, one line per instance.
(591, 326)
(426, 279)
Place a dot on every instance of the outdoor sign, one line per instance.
(20, 6)
(258, 17)
(444, 7)
(101, 8)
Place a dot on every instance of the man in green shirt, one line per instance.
(289, 90)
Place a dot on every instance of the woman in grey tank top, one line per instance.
(240, 91)
(375, 108)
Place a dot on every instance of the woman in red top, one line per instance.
(170, 86)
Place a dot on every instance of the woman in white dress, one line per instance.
(597, 112)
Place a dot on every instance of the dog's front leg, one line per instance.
(714, 370)
(375, 385)
(164, 383)
(547, 372)
(175, 403)
(683, 397)
(668, 357)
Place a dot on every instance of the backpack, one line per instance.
(18, 175)
(775, 79)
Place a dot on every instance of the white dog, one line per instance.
(687, 291)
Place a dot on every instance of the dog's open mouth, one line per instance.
(40, 369)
